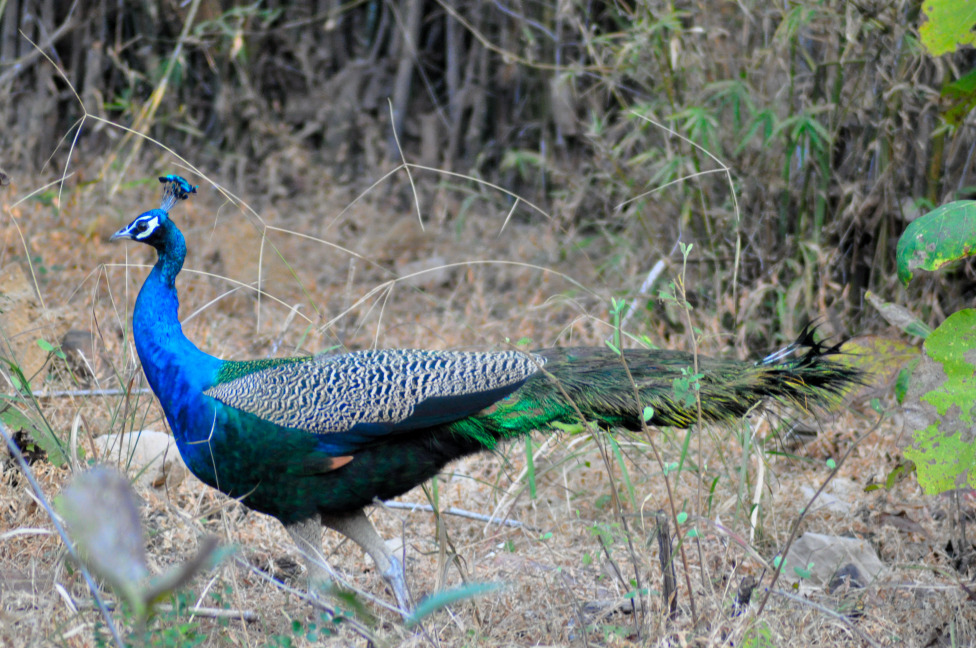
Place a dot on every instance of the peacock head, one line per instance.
(149, 228)
(154, 227)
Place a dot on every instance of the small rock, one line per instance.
(152, 456)
(823, 555)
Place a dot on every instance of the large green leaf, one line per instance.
(945, 234)
(103, 519)
(444, 598)
(941, 407)
(899, 316)
(948, 25)
(100, 509)
(961, 95)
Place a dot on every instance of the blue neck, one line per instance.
(176, 369)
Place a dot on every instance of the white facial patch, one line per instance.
(150, 227)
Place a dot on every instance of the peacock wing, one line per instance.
(366, 394)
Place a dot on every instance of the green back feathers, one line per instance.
(232, 370)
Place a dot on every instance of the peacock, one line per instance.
(314, 440)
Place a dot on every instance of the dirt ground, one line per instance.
(306, 272)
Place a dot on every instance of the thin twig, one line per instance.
(210, 612)
(673, 509)
(69, 393)
(667, 564)
(471, 515)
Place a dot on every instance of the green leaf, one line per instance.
(941, 407)
(47, 347)
(961, 95)
(648, 414)
(944, 235)
(758, 636)
(352, 602)
(42, 435)
(902, 382)
(100, 510)
(179, 575)
(899, 316)
(904, 468)
(435, 602)
(948, 26)
(530, 466)
(802, 573)
(624, 472)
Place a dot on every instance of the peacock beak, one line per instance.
(123, 233)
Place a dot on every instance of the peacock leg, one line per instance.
(307, 534)
(357, 527)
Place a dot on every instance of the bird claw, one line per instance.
(394, 577)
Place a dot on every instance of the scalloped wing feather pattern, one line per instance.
(381, 388)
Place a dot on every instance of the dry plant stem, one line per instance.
(803, 513)
(39, 495)
(694, 352)
(828, 612)
(667, 484)
(732, 194)
(960, 521)
(79, 393)
(395, 114)
(640, 613)
(577, 609)
(471, 515)
(613, 488)
(667, 564)
(248, 616)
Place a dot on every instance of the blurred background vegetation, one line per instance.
(836, 126)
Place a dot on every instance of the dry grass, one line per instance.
(568, 571)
